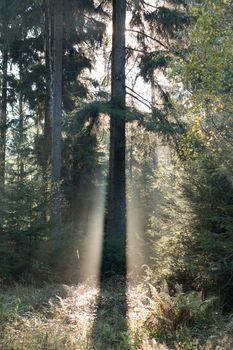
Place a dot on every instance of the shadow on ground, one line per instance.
(110, 325)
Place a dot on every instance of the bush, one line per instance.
(173, 313)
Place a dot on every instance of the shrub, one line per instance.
(173, 313)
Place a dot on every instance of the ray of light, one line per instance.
(135, 237)
(92, 253)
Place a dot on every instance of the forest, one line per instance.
(116, 174)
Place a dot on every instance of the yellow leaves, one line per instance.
(207, 73)
(197, 119)
(196, 129)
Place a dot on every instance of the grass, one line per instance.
(84, 317)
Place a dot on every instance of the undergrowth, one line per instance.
(85, 317)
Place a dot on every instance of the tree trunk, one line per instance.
(47, 106)
(56, 116)
(47, 123)
(3, 120)
(3, 117)
(116, 223)
(21, 136)
(153, 90)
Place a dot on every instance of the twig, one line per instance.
(147, 36)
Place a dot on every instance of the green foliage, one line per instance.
(168, 21)
(191, 229)
(23, 230)
(196, 224)
(175, 313)
(151, 62)
(206, 153)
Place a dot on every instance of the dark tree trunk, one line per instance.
(57, 115)
(47, 106)
(47, 122)
(116, 223)
(21, 137)
(3, 120)
(3, 116)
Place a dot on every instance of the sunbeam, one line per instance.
(92, 252)
(135, 242)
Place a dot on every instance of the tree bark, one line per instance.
(116, 223)
(47, 106)
(57, 116)
(3, 116)
(3, 120)
(21, 135)
(47, 122)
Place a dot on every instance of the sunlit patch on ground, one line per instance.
(60, 321)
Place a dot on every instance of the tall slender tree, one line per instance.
(116, 226)
(47, 101)
(21, 127)
(57, 114)
(3, 119)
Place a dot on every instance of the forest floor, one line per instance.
(85, 317)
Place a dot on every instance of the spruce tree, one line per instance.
(56, 109)
(116, 204)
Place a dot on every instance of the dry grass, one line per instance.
(61, 319)
(84, 317)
